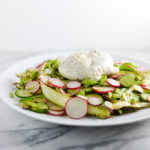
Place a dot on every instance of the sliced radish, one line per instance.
(40, 66)
(33, 86)
(54, 107)
(100, 89)
(74, 92)
(145, 86)
(56, 113)
(45, 79)
(93, 100)
(62, 91)
(116, 76)
(76, 108)
(57, 82)
(113, 82)
(16, 85)
(141, 69)
(73, 85)
(131, 67)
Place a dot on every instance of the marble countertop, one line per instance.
(19, 132)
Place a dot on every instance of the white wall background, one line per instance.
(74, 24)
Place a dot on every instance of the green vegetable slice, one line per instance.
(129, 67)
(102, 80)
(37, 99)
(23, 93)
(11, 94)
(88, 82)
(36, 107)
(127, 81)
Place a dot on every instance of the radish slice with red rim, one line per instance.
(57, 82)
(62, 91)
(93, 100)
(45, 79)
(76, 108)
(16, 85)
(32, 86)
(56, 113)
(131, 67)
(113, 82)
(116, 76)
(145, 86)
(39, 66)
(100, 89)
(73, 85)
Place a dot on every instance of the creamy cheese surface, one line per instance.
(81, 65)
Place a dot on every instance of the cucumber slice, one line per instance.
(127, 81)
(40, 108)
(23, 93)
(60, 100)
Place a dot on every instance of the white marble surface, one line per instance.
(19, 132)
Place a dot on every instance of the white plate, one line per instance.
(8, 77)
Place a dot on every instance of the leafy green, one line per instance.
(35, 103)
(127, 80)
(128, 67)
(81, 92)
(34, 74)
(11, 94)
(133, 101)
(37, 98)
(117, 90)
(102, 80)
(88, 82)
(88, 90)
(51, 68)
(115, 96)
(29, 74)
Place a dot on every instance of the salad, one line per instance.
(84, 84)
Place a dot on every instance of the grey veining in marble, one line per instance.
(19, 132)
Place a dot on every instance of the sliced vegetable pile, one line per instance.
(44, 90)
